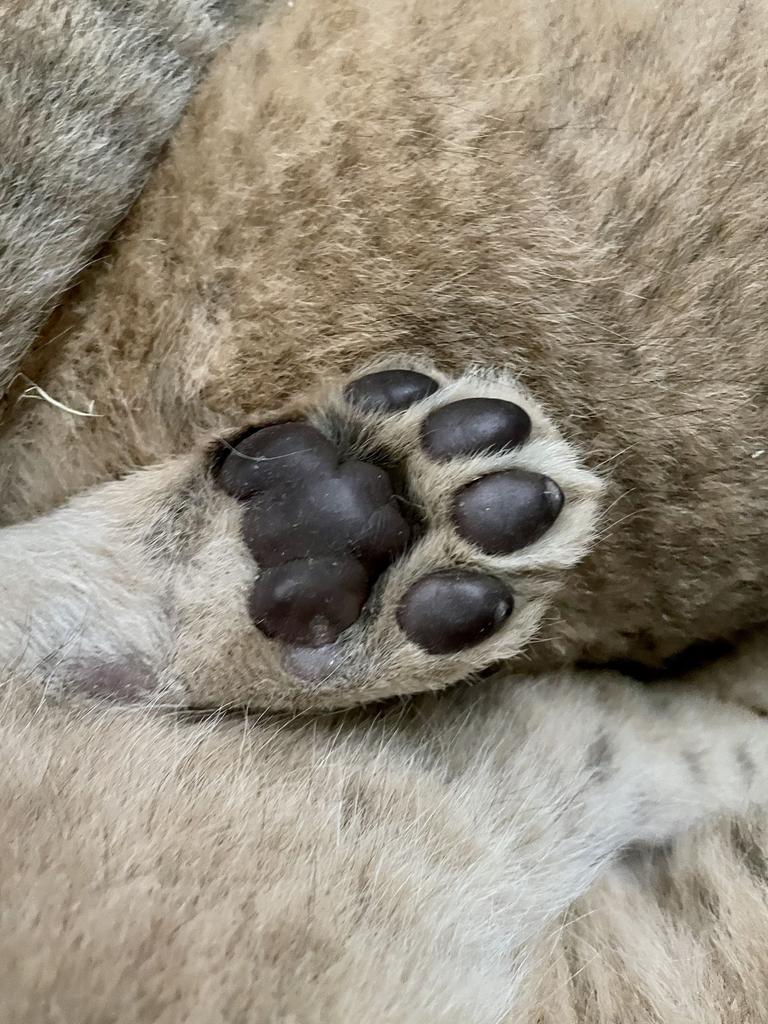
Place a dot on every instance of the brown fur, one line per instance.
(360, 183)
(495, 188)
(90, 93)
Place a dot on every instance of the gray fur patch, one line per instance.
(600, 756)
(694, 764)
(749, 852)
(746, 764)
(90, 93)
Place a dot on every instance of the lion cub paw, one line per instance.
(405, 530)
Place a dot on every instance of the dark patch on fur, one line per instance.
(749, 852)
(644, 858)
(694, 764)
(746, 764)
(358, 806)
(127, 679)
(693, 658)
(173, 532)
(600, 756)
(702, 895)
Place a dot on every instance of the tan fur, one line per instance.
(89, 95)
(412, 865)
(573, 195)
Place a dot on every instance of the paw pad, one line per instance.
(390, 390)
(320, 527)
(474, 425)
(323, 527)
(347, 510)
(275, 458)
(447, 611)
(504, 512)
(309, 602)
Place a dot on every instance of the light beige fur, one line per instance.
(571, 198)
(411, 866)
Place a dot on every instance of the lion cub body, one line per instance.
(575, 193)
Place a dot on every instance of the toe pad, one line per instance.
(504, 512)
(447, 611)
(474, 425)
(390, 390)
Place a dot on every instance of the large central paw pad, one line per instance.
(323, 527)
(432, 542)
(306, 502)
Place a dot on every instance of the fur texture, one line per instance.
(411, 866)
(494, 188)
(90, 92)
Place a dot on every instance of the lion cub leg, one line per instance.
(584, 767)
(393, 534)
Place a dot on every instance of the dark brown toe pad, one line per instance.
(390, 390)
(504, 512)
(474, 425)
(448, 611)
